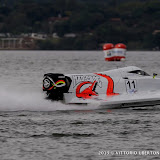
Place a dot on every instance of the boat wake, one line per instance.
(34, 100)
(16, 100)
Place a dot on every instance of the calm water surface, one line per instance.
(32, 127)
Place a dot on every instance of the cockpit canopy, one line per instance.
(139, 72)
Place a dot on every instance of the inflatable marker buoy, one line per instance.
(108, 46)
(108, 49)
(114, 53)
(120, 51)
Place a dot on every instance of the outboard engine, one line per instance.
(55, 84)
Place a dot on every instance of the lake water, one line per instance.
(32, 127)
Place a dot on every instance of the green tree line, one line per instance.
(135, 23)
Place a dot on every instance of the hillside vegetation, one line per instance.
(92, 22)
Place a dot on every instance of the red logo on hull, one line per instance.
(88, 92)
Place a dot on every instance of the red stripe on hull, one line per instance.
(110, 88)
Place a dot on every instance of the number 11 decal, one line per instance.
(131, 86)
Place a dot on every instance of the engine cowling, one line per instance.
(55, 84)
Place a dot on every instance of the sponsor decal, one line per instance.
(91, 82)
(87, 92)
(60, 83)
(46, 83)
(86, 78)
(109, 53)
(118, 51)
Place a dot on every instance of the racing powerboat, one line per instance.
(121, 87)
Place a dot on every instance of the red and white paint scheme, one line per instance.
(128, 86)
(114, 53)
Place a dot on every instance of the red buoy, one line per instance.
(114, 53)
(120, 45)
(108, 46)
